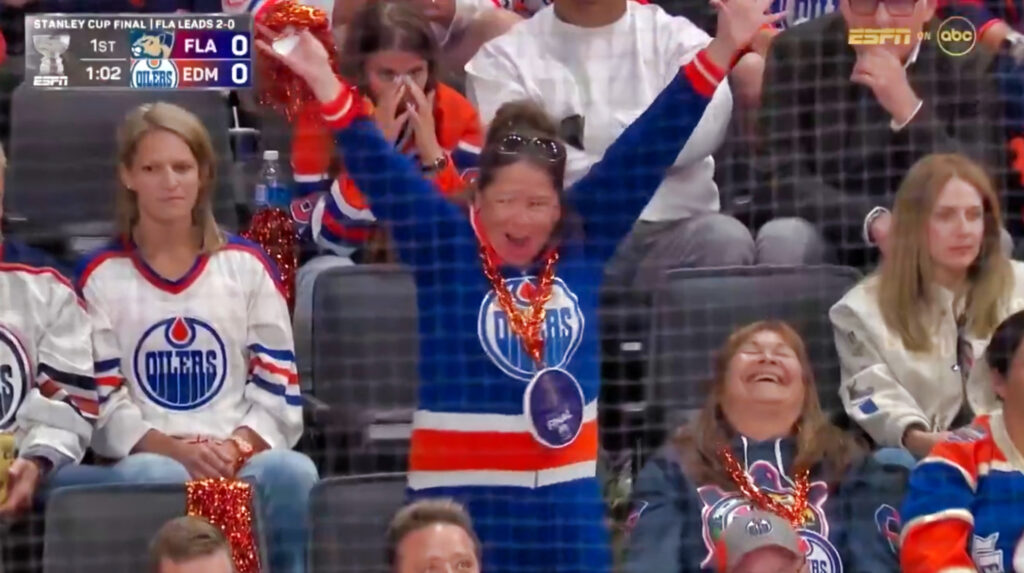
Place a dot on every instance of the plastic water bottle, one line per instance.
(271, 189)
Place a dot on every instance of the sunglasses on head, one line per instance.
(540, 147)
(894, 7)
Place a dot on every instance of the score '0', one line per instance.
(239, 74)
(240, 45)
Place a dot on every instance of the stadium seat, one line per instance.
(699, 308)
(63, 155)
(107, 529)
(363, 356)
(350, 517)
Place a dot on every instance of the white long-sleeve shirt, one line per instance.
(609, 76)
(199, 356)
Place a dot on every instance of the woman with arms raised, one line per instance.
(507, 419)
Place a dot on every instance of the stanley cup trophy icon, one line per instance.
(51, 47)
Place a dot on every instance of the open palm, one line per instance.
(740, 20)
(299, 51)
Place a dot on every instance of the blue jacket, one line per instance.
(854, 528)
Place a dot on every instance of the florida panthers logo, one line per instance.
(15, 372)
(180, 363)
(563, 328)
(721, 507)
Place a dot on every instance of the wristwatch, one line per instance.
(436, 166)
(245, 450)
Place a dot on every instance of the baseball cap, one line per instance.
(755, 530)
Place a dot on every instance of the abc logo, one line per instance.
(956, 36)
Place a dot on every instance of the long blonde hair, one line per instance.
(162, 116)
(818, 441)
(907, 272)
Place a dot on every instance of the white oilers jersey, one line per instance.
(47, 390)
(200, 356)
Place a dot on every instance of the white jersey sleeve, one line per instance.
(121, 424)
(272, 389)
(48, 328)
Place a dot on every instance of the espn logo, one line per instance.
(880, 36)
(50, 81)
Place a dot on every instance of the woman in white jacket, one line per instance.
(908, 335)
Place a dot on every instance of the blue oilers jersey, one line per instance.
(196, 357)
(965, 507)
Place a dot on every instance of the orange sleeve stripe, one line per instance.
(932, 547)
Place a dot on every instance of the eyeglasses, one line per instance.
(539, 147)
(899, 8)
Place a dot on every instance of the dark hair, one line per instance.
(388, 25)
(525, 119)
(425, 513)
(186, 538)
(1005, 341)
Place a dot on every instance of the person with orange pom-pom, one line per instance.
(192, 340)
(508, 295)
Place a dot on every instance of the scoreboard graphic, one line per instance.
(136, 51)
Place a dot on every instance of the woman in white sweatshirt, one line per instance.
(909, 335)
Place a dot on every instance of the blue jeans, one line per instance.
(283, 481)
(895, 457)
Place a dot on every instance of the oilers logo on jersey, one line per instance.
(721, 507)
(180, 363)
(154, 74)
(15, 373)
(563, 328)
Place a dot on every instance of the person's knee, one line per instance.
(723, 240)
(282, 470)
(151, 468)
(895, 457)
(791, 241)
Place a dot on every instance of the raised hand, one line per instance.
(305, 56)
(739, 21)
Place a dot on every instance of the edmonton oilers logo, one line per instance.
(15, 369)
(180, 363)
(563, 328)
(154, 74)
(821, 554)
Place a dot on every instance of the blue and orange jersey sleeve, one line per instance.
(937, 517)
(338, 216)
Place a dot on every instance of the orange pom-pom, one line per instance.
(227, 505)
(273, 229)
(278, 87)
